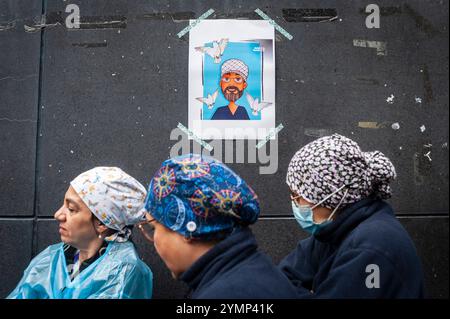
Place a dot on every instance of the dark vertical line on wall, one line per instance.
(38, 130)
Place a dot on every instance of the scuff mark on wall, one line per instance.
(422, 23)
(317, 132)
(16, 78)
(395, 126)
(378, 125)
(390, 99)
(418, 177)
(92, 45)
(237, 15)
(368, 81)
(310, 15)
(371, 125)
(427, 84)
(380, 46)
(174, 16)
(384, 11)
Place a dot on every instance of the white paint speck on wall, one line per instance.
(390, 99)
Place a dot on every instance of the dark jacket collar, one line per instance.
(350, 217)
(227, 253)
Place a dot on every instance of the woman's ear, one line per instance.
(99, 227)
(188, 240)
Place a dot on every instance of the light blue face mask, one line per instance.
(305, 216)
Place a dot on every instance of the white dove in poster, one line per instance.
(255, 105)
(216, 51)
(209, 100)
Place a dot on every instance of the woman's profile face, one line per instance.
(320, 214)
(76, 227)
(171, 247)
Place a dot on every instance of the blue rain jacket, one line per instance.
(118, 273)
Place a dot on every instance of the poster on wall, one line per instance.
(231, 79)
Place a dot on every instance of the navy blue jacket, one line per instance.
(335, 262)
(235, 269)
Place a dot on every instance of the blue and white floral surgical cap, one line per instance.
(200, 197)
(114, 197)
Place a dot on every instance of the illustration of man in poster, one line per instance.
(233, 81)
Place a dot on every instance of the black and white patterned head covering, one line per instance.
(323, 166)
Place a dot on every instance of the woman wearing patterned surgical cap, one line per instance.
(96, 258)
(199, 211)
(358, 249)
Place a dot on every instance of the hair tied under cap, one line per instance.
(381, 172)
(381, 168)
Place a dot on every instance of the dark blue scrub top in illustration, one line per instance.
(224, 113)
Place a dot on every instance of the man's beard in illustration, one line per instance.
(234, 95)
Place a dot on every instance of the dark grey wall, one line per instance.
(62, 110)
